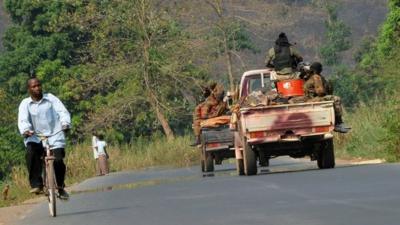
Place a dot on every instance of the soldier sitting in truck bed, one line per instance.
(212, 107)
(283, 58)
(316, 88)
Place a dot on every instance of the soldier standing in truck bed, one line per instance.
(212, 107)
(283, 58)
(316, 88)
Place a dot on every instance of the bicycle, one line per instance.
(49, 176)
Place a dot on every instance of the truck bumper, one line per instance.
(290, 138)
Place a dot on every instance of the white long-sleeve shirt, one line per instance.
(94, 145)
(46, 117)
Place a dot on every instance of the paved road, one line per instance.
(290, 192)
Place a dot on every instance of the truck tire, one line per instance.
(240, 167)
(206, 160)
(209, 162)
(326, 156)
(249, 159)
(262, 159)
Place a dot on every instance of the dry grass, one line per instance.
(142, 154)
(139, 155)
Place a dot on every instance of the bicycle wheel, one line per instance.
(51, 182)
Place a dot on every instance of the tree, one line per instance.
(30, 45)
(389, 34)
(231, 37)
(11, 146)
(336, 37)
(139, 68)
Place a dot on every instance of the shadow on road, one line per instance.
(92, 211)
(299, 169)
(286, 167)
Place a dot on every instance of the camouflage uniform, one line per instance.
(287, 72)
(213, 106)
(197, 119)
(315, 91)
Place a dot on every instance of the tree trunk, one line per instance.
(150, 95)
(161, 118)
(217, 6)
(228, 58)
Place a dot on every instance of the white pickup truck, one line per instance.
(296, 130)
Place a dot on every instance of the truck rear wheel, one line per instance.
(240, 167)
(326, 156)
(249, 159)
(263, 160)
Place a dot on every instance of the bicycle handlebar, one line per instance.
(42, 136)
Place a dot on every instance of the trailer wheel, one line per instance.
(240, 167)
(249, 159)
(326, 156)
(209, 163)
(202, 158)
(208, 160)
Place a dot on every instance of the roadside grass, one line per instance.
(143, 153)
(375, 131)
(139, 155)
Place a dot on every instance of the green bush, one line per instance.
(375, 131)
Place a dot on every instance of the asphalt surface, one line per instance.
(288, 192)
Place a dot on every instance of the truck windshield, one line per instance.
(254, 83)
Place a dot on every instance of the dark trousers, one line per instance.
(34, 161)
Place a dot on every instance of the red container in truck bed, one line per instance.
(291, 88)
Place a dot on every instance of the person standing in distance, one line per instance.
(44, 114)
(95, 155)
(102, 155)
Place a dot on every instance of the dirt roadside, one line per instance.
(11, 215)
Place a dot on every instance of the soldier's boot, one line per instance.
(196, 142)
(340, 126)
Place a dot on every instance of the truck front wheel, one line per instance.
(326, 156)
(249, 159)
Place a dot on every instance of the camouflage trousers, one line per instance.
(277, 76)
(197, 119)
(337, 103)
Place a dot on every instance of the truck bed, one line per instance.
(288, 122)
(217, 138)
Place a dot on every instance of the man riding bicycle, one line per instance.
(47, 115)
